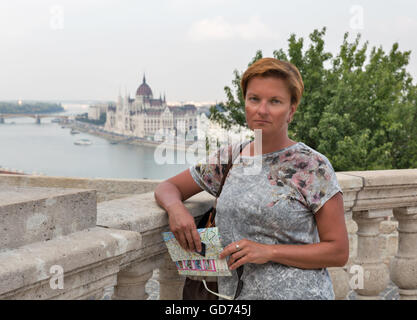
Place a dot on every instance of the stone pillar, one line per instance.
(131, 281)
(403, 269)
(340, 280)
(170, 282)
(374, 272)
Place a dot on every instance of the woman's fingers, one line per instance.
(196, 238)
(181, 240)
(236, 256)
(184, 229)
(239, 262)
(230, 249)
(246, 251)
(190, 241)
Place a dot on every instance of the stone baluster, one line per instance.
(340, 280)
(341, 276)
(170, 282)
(132, 280)
(374, 272)
(403, 268)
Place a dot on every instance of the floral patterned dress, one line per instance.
(274, 204)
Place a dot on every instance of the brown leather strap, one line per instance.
(229, 165)
(210, 221)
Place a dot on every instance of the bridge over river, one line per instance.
(36, 116)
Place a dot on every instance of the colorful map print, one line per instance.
(194, 264)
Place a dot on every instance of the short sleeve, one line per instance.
(208, 173)
(323, 184)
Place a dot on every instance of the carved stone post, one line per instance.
(403, 269)
(170, 282)
(131, 281)
(340, 280)
(374, 272)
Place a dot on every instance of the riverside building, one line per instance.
(144, 116)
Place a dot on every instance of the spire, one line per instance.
(144, 79)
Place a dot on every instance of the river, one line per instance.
(48, 149)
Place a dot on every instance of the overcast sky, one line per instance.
(90, 49)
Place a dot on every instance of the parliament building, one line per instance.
(145, 116)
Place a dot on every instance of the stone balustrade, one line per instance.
(380, 209)
(107, 189)
(124, 249)
(141, 214)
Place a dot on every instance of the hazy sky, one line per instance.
(73, 49)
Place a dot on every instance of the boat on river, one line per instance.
(83, 142)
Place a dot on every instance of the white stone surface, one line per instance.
(28, 267)
(30, 214)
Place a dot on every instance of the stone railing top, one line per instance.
(30, 264)
(363, 190)
(35, 214)
(11, 194)
(348, 182)
(379, 191)
(141, 213)
(107, 189)
(384, 177)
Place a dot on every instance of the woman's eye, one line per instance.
(253, 99)
(275, 101)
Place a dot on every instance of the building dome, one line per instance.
(144, 89)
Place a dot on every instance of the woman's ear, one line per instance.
(293, 108)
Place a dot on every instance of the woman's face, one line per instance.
(268, 106)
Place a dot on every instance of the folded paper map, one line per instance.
(195, 264)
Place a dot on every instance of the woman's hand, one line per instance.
(246, 251)
(182, 225)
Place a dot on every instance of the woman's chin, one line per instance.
(259, 127)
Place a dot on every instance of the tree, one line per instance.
(360, 111)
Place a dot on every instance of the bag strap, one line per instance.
(217, 294)
(210, 220)
(228, 167)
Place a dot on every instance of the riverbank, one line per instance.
(118, 138)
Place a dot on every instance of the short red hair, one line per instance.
(271, 67)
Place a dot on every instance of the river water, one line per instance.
(48, 149)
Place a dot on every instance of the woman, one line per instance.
(285, 223)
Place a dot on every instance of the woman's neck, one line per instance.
(263, 145)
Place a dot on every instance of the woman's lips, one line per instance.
(261, 121)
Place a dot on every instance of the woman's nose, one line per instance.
(263, 107)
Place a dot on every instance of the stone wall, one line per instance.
(107, 189)
(122, 248)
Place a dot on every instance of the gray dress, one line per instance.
(274, 203)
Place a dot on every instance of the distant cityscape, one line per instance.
(147, 117)
(142, 116)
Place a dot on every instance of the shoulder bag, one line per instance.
(194, 289)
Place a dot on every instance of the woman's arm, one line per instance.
(331, 251)
(170, 195)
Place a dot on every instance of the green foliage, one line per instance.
(84, 118)
(359, 108)
(27, 107)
